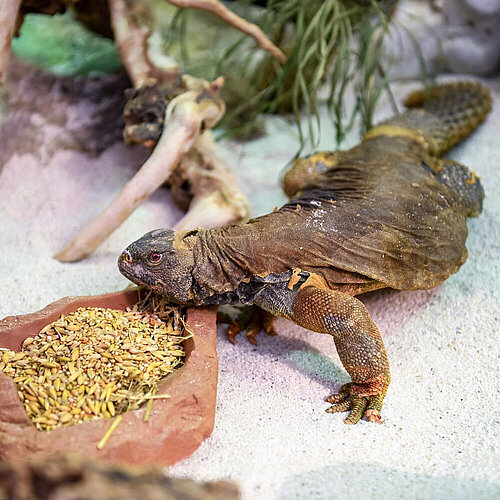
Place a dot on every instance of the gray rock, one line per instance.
(461, 36)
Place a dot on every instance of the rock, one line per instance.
(43, 113)
(461, 36)
(472, 42)
(176, 426)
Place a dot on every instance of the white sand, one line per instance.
(272, 436)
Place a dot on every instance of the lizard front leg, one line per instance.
(358, 343)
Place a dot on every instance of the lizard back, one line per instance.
(379, 211)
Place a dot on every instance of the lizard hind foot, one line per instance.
(357, 406)
(251, 319)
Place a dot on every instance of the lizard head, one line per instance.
(161, 260)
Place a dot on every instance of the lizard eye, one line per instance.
(154, 257)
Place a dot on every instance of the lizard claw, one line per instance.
(253, 320)
(374, 416)
(251, 338)
(232, 330)
(357, 406)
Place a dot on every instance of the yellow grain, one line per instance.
(93, 389)
(74, 376)
(66, 418)
(111, 408)
(52, 393)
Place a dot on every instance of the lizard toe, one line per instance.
(358, 406)
(341, 396)
(268, 323)
(251, 319)
(232, 330)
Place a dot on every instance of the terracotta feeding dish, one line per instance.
(175, 427)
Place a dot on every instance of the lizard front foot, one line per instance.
(253, 319)
(351, 398)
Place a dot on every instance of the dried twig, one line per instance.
(216, 196)
(8, 18)
(112, 427)
(186, 115)
(132, 44)
(239, 23)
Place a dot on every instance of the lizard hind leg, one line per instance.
(251, 319)
(358, 343)
(464, 182)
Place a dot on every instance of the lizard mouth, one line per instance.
(129, 270)
(139, 279)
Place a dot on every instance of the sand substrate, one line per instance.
(272, 436)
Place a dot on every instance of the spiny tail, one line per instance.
(445, 115)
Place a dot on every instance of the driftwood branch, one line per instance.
(218, 199)
(227, 15)
(184, 118)
(8, 18)
(130, 41)
(132, 45)
(185, 143)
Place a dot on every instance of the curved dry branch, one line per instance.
(198, 108)
(8, 17)
(184, 118)
(227, 15)
(131, 42)
(217, 199)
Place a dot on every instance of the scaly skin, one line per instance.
(447, 115)
(358, 343)
(387, 213)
